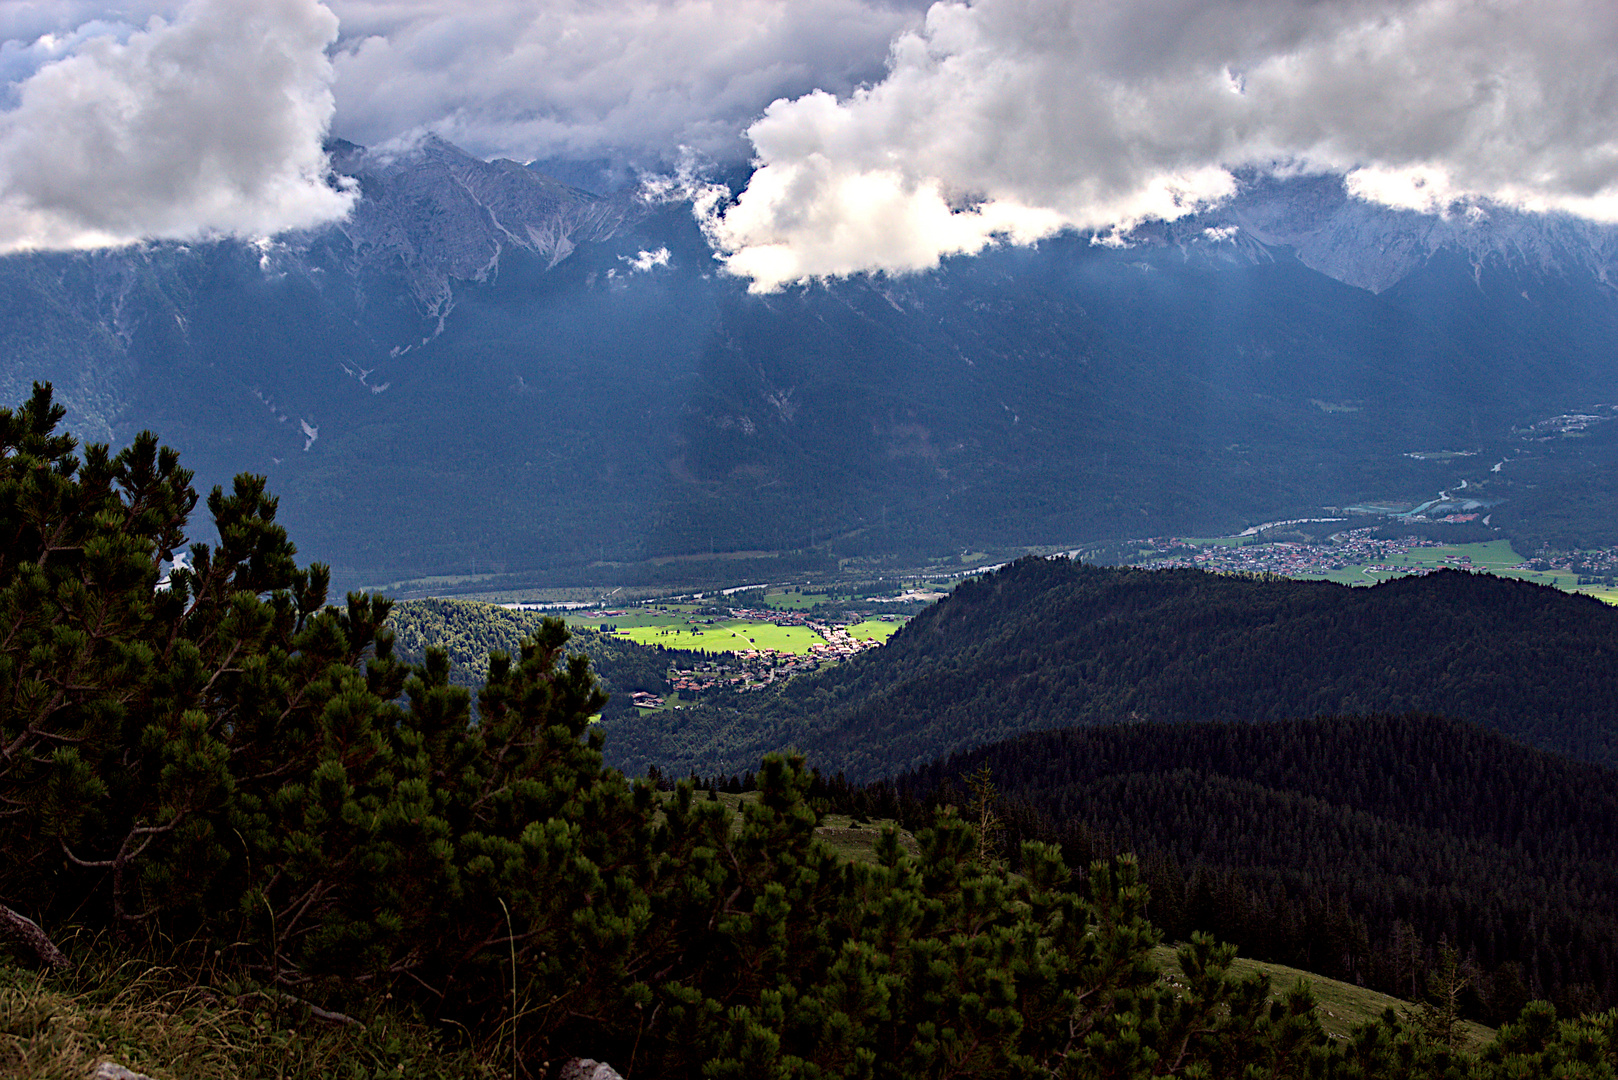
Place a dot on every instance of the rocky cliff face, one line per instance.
(432, 219)
(435, 215)
(1375, 247)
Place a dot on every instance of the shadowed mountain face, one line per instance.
(1045, 643)
(486, 370)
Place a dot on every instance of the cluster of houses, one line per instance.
(754, 669)
(1600, 564)
(1354, 547)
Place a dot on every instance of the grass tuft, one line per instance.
(151, 1020)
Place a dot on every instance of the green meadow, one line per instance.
(732, 635)
(793, 600)
(873, 629)
(1495, 557)
(680, 626)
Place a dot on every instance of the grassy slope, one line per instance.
(1496, 556)
(1341, 1006)
(670, 626)
(873, 630)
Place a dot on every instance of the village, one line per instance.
(741, 663)
(1354, 549)
(1359, 556)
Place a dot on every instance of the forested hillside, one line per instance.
(1048, 643)
(468, 632)
(1348, 846)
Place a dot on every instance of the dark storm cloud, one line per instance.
(576, 78)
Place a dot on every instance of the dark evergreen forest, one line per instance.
(1046, 643)
(1350, 846)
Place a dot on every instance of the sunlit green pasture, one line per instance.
(1494, 556)
(793, 600)
(873, 630)
(732, 635)
(1214, 541)
(634, 617)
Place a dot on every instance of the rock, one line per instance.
(584, 1069)
(111, 1070)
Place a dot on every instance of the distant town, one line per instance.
(1360, 555)
(1354, 549)
(810, 642)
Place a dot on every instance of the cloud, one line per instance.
(646, 261)
(1018, 118)
(209, 124)
(629, 79)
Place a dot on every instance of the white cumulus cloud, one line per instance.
(208, 124)
(1018, 118)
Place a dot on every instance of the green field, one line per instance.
(1497, 557)
(672, 626)
(1215, 541)
(793, 600)
(732, 635)
(873, 629)
(637, 617)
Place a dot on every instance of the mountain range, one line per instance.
(489, 373)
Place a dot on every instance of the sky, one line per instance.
(884, 134)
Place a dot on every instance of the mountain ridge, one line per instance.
(1047, 643)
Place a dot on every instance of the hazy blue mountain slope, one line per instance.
(488, 371)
